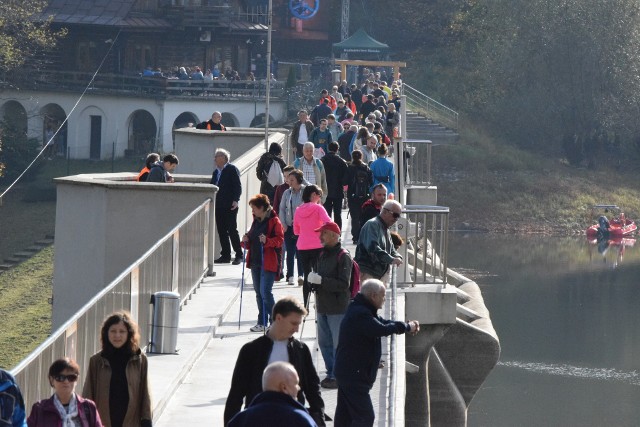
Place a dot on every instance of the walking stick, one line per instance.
(244, 251)
(264, 310)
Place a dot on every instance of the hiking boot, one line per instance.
(222, 260)
(237, 260)
(257, 328)
(330, 383)
(300, 280)
(290, 281)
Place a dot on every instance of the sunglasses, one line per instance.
(395, 215)
(71, 378)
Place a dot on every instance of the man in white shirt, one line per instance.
(301, 131)
(277, 345)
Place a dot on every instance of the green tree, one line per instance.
(24, 33)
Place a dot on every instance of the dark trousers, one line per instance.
(354, 407)
(355, 213)
(290, 241)
(309, 259)
(333, 206)
(227, 225)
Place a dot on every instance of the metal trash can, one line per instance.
(164, 322)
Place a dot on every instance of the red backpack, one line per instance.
(354, 283)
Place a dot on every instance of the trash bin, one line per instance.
(164, 322)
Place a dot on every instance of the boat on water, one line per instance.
(617, 227)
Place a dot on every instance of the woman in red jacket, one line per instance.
(65, 408)
(263, 240)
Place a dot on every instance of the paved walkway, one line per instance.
(190, 388)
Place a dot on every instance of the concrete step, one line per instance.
(35, 248)
(5, 267)
(23, 254)
(46, 242)
(12, 260)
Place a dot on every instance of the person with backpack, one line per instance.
(359, 180)
(12, 411)
(270, 170)
(335, 182)
(331, 281)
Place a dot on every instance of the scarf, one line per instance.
(68, 414)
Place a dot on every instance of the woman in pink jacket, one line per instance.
(309, 216)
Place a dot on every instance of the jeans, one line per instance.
(263, 286)
(328, 331)
(334, 204)
(290, 241)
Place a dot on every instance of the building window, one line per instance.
(145, 6)
(86, 54)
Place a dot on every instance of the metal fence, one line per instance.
(135, 85)
(420, 103)
(177, 262)
(425, 232)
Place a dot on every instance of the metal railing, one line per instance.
(393, 354)
(177, 262)
(417, 169)
(420, 103)
(425, 230)
(135, 85)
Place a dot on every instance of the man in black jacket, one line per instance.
(359, 351)
(367, 108)
(227, 177)
(335, 181)
(277, 345)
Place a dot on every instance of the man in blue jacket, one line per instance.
(277, 405)
(359, 351)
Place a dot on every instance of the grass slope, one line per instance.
(502, 189)
(24, 303)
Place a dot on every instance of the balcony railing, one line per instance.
(156, 87)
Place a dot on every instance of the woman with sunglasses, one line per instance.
(65, 408)
(117, 376)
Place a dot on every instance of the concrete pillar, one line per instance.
(422, 195)
(431, 304)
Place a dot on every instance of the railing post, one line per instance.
(429, 145)
(212, 237)
(175, 271)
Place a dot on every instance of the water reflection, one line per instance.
(567, 325)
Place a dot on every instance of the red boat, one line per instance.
(618, 226)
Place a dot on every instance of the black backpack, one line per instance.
(360, 184)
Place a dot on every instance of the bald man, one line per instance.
(276, 405)
(359, 351)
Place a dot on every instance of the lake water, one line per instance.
(568, 319)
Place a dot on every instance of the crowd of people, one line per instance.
(342, 161)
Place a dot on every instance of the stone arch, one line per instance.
(54, 120)
(142, 133)
(258, 121)
(14, 114)
(229, 120)
(182, 121)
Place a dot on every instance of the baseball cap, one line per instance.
(331, 226)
